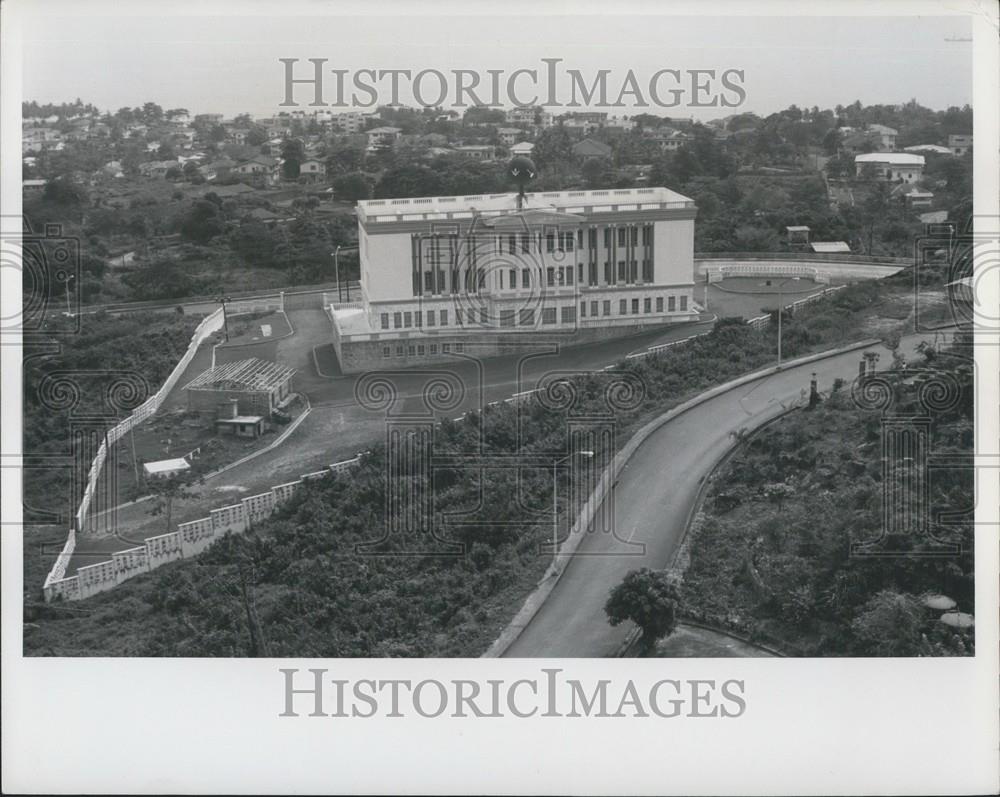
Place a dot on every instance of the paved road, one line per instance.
(653, 498)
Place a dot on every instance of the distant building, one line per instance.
(928, 149)
(797, 236)
(674, 140)
(589, 148)
(31, 187)
(522, 148)
(883, 137)
(891, 166)
(508, 135)
(165, 468)
(479, 152)
(530, 116)
(918, 199)
(312, 169)
(959, 144)
(383, 138)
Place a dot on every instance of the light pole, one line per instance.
(336, 269)
(781, 306)
(225, 315)
(555, 488)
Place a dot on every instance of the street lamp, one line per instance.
(781, 305)
(555, 488)
(336, 268)
(225, 316)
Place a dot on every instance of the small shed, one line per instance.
(258, 386)
(798, 234)
(165, 468)
(831, 247)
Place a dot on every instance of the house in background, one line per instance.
(479, 152)
(383, 138)
(890, 166)
(959, 143)
(589, 149)
(312, 169)
(884, 138)
(256, 386)
(522, 148)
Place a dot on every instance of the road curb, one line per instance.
(555, 570)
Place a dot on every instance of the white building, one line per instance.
(959, 144)
(891, 166)
(439, 274)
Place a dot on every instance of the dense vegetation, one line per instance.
(771, 556)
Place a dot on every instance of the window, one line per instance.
(593, 309)
(671, 304)
(607, 307)
(568, 315)
(550, 242)
(501, 279)
(579, 273)
(430, 318)
(684, 303)
(579, 239)
(647, 305)
(621, 236)
(550, 276)
(659, 304)
(420, 348)
(607, 237)
(445, 348)
(593, 273)
(583, 309)
(399, 351)
(592, 238)
(386, 351)
(647, 270)
(622, 307)
(527, 318)
(411, 350)
(418, 318)
(525, 243)
(459, 347)
(444, 318)
(397, 320)
(569, 275)
(506, 318)
(635, 307)
(635, 236)
(621, 271)
(512, 244)
(608, 275)
(429, 281)
(513, 277)
(525, 278)
(434, 348)
(548, 315)
(567, 242)
(385, 320)
(632, 271)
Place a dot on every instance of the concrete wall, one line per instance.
(189, 540)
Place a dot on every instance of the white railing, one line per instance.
(210, 324)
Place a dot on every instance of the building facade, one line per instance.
(478, 274)
(891, 167)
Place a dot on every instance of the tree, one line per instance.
(650, 600)
(596, 171)
(293, 152)
(165, 491)
(203, 222)
(889, 625)
(352, 187)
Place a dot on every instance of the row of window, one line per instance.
(407, 319)
(525, 317)
(555, 276)
(419, 349)
(625, 304)
(565, 242)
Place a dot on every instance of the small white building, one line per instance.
(891, 166)
(165, 468)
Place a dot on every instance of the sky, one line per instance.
(204, 61)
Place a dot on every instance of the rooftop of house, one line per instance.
(893, 158)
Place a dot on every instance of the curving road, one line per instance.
(654, 496)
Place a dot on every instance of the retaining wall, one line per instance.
(189, 540)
